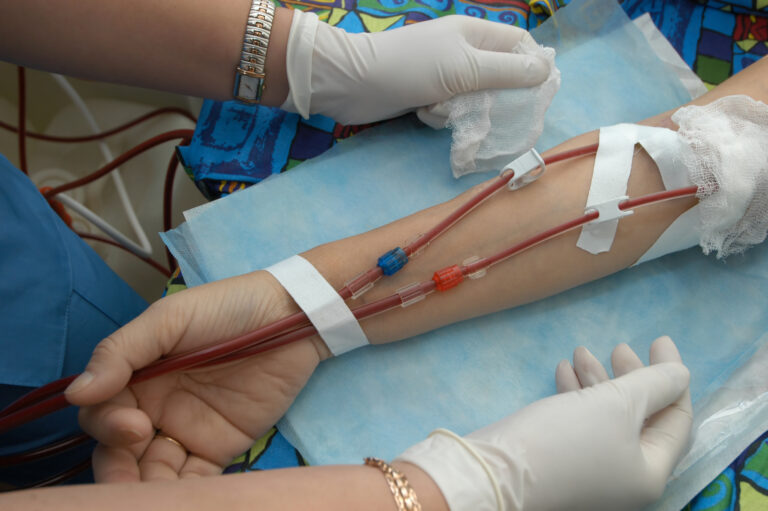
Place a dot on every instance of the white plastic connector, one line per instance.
(478, 274)
(357, 285)
(410, 294)
(527, 168)
(413, 240)
(609, 210)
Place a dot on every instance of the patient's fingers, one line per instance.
(199, 467)
(163, 460)
(664, 350)
(588, 369)
(565, 378)
(117, 423)
(114, 465)
(624, 360)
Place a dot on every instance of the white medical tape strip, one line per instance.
(681, 234)
(613, 164)
(333, 320)
(668, 151)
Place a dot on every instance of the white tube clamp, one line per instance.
(523, 167)
(608, 210)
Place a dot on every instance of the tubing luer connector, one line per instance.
(391, 262)
(412, 293)
(468, 263)
(448, 278)
(361, 283)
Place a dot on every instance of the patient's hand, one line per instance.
(216, 413)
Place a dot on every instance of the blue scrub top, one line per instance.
(58, 299)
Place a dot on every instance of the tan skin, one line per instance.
(187, 47)
(217, 413)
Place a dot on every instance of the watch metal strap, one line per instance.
(249, 74)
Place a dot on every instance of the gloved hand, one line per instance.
(601, 444)
(360, 78)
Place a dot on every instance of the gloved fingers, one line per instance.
(588, 369)
(118, 422)
(624, 360)
(114, 465)
(565, 378)
(500, 70)
(666, 433)
(489, 35)
(655, 387)
(664, 350)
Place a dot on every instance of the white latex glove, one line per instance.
(611, 445)
(361, 78)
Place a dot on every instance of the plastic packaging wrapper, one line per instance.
(472, 373)
(725, 422)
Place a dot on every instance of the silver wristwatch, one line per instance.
(249, 75)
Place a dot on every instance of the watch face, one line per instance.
(249, 88)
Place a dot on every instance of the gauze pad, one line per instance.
(729, 164)
(493, 127)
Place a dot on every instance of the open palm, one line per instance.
(214, 413)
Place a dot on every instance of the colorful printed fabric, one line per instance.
(270, 451)
(236, 146)
(717, 39)
(742, 486)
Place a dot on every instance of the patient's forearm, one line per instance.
(507, 218)
(316, 488)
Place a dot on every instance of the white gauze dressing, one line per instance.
(490, 128)
(729, 164)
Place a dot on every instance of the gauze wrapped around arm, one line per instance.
(728, 161)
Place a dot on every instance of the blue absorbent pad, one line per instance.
(380, 400)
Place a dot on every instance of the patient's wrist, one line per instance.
(286, 306)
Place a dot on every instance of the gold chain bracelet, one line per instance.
(405, 497)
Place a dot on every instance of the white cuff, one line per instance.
(335, 323)
(458, 473)
(298, 62)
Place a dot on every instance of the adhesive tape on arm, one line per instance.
(335, 323)
(613, 164)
